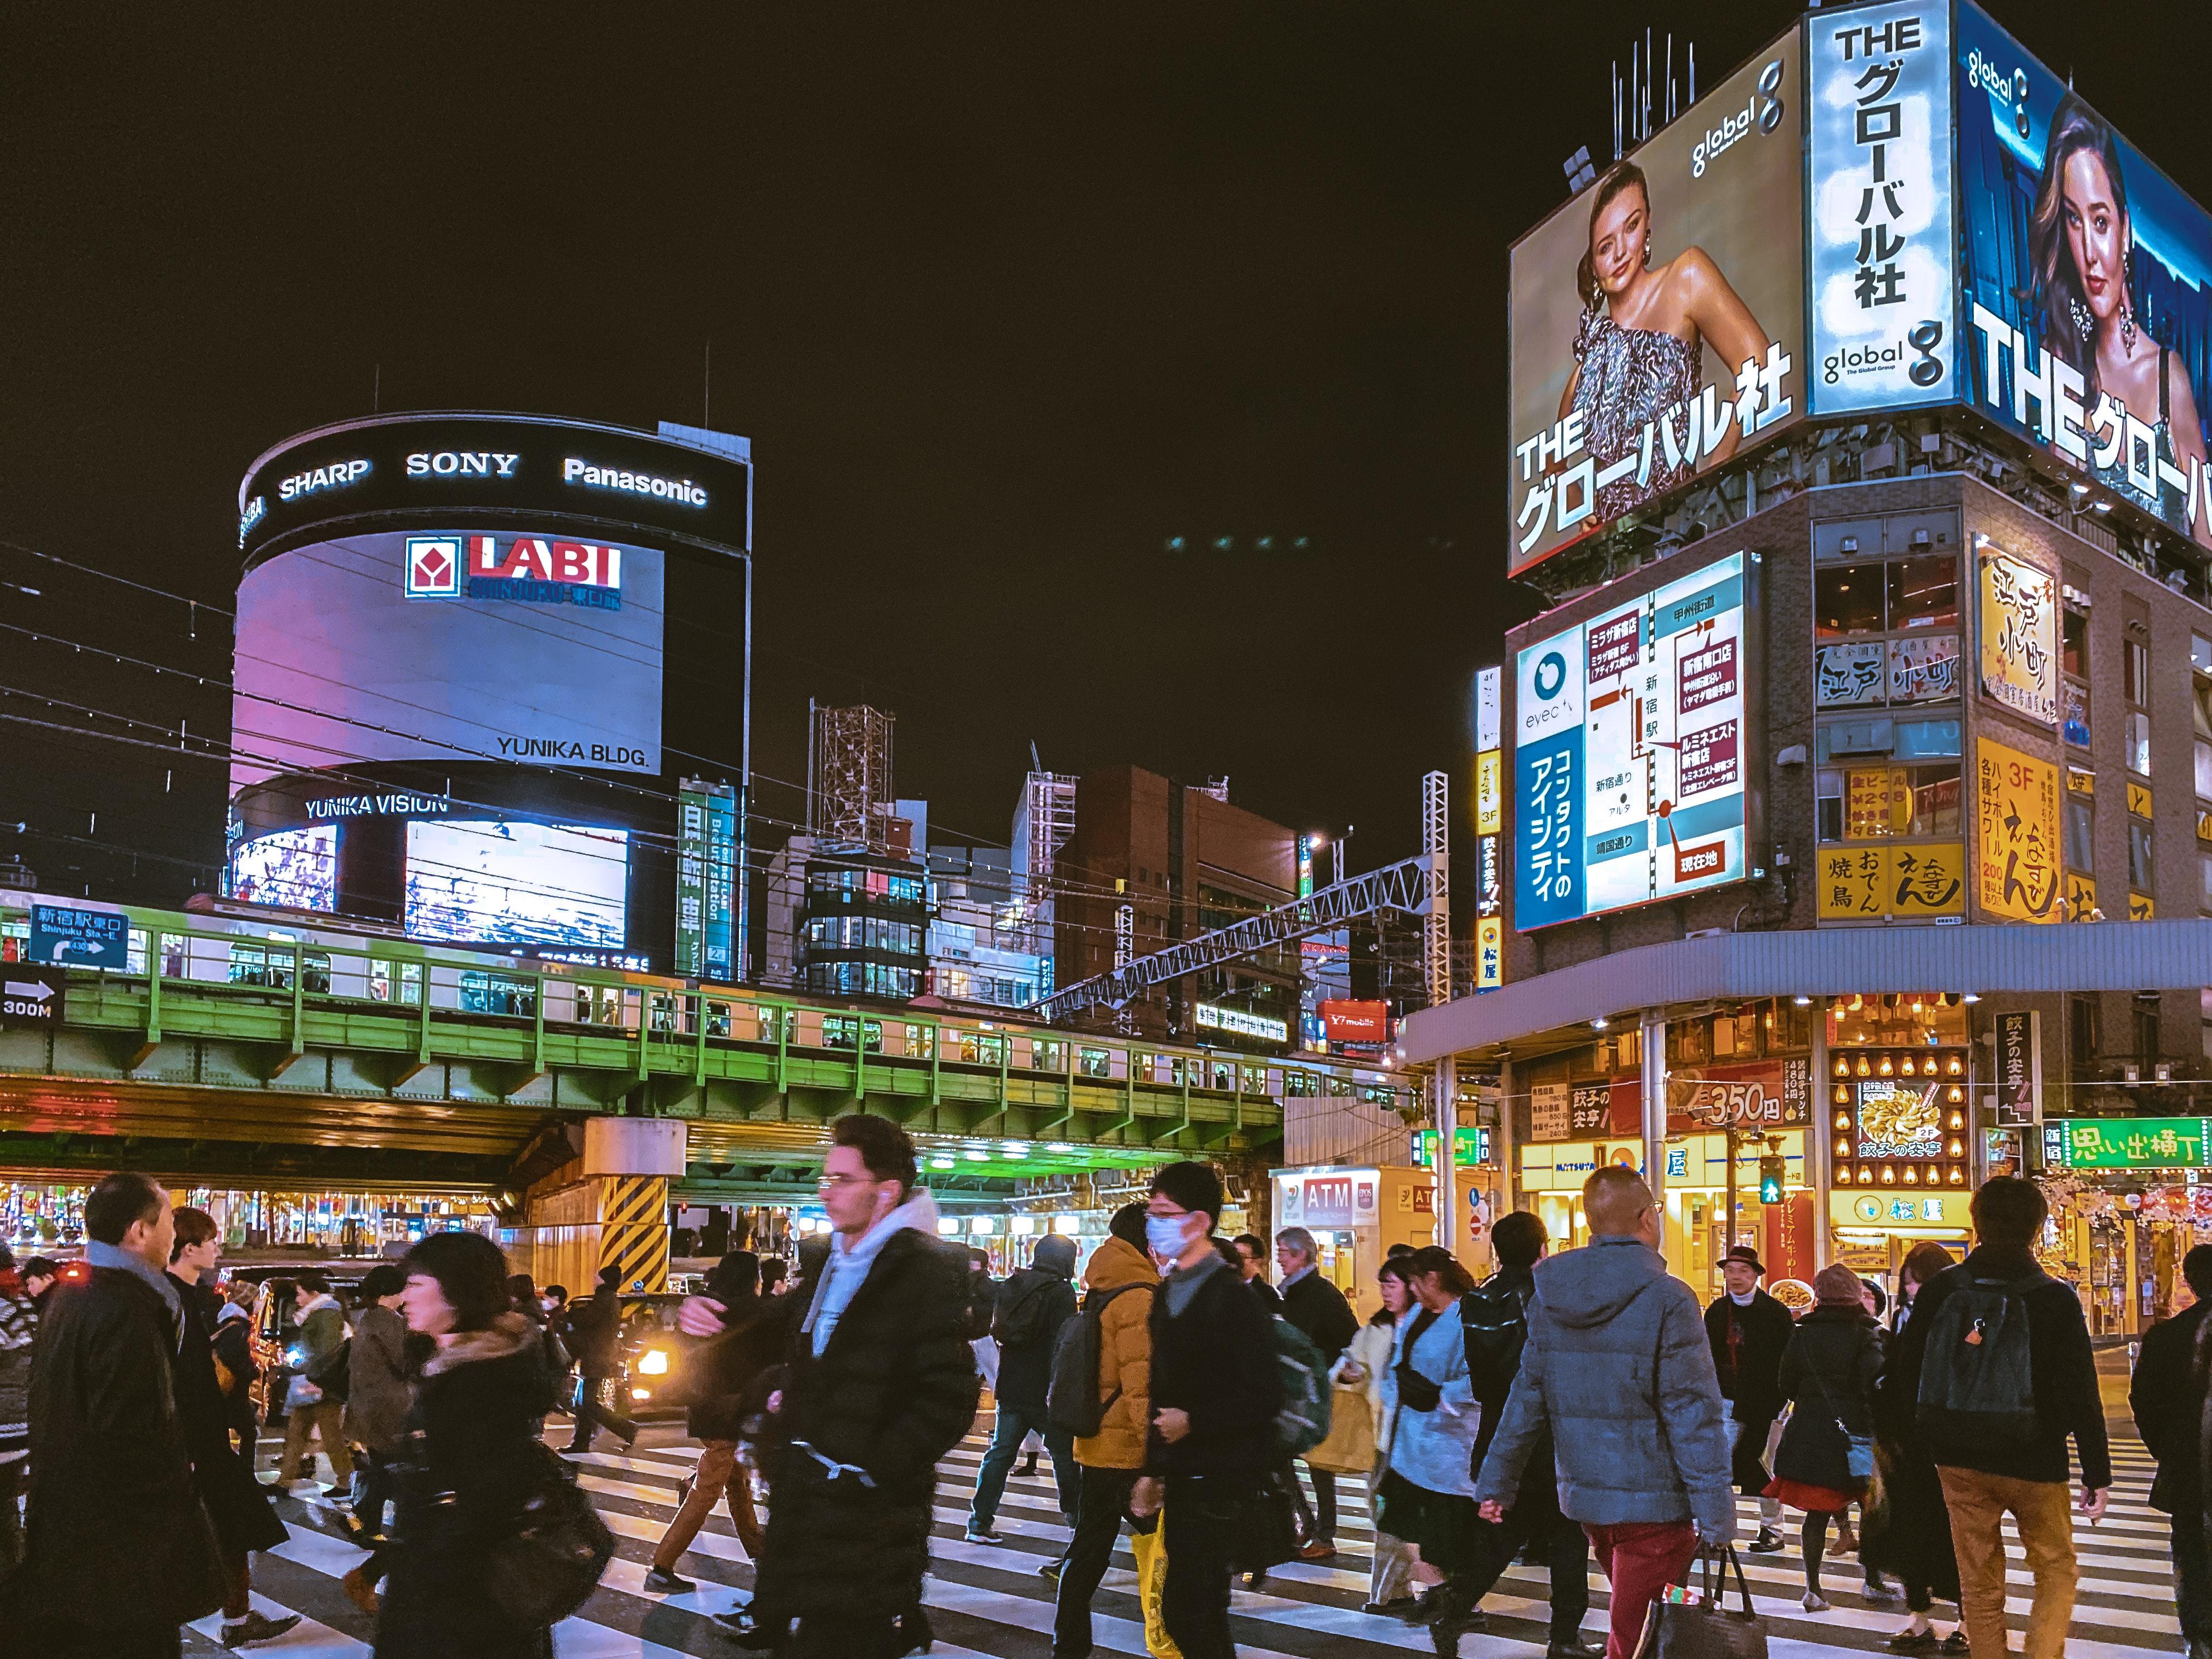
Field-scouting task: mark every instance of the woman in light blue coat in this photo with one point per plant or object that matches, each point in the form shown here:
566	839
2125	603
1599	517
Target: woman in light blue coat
1427	1495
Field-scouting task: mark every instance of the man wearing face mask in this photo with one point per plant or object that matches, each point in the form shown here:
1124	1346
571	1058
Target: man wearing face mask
1215	1392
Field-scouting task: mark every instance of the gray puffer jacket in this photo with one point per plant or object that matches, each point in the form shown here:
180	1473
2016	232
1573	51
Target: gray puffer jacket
19	1324
1618	1365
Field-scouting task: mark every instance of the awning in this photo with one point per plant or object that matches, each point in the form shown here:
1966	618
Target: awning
2108	956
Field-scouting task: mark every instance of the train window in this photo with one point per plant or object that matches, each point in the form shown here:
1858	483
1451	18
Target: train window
1301	1083
845	1030
1339	1086
497	994
1094	1062
599	1005
14	940
395	982
1047	1055
717	1019
1255	1080
665	1013
921	1040
137	961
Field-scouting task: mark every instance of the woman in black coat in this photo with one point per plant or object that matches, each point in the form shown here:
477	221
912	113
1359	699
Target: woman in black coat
1828	1372
470	1462
1908	1532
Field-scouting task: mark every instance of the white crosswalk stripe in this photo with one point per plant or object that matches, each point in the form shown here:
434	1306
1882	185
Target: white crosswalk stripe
988	1601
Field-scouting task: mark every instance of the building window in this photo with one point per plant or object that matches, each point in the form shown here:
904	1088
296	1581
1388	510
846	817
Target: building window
1923	592
1925	739
2139	866
1872	803
2074	643
2082	1028
2205	868
1848	600
2080	834
2135	672
2146	1012
2138	743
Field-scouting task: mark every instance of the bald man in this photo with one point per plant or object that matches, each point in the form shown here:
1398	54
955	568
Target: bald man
1618	1368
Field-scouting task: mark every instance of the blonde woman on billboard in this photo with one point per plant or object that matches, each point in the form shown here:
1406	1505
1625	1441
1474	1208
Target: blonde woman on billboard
2081	246
1640	345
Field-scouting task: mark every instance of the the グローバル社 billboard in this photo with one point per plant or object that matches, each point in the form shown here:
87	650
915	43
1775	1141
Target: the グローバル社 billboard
1632	752
460	645
1657	319
2086	305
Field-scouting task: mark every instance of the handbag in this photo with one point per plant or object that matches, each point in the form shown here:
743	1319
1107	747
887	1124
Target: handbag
1706	1629
1858	1449
1349	1448
1266	1532
550	1565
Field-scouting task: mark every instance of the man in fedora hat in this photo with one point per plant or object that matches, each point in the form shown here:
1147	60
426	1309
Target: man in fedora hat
1748	1330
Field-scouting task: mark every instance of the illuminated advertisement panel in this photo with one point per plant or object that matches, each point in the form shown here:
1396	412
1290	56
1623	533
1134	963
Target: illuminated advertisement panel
1879	142
1632	752
493	881
1657	319
2086	309
295	868
450	645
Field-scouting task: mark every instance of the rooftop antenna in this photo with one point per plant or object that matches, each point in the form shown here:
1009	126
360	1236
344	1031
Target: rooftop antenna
1634	80
1647	82
1616	109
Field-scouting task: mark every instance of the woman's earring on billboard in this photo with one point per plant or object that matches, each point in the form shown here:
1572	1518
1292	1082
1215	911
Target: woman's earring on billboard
2127	323
2085	320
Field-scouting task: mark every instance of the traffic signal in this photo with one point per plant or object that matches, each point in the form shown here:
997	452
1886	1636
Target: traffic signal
1770	1179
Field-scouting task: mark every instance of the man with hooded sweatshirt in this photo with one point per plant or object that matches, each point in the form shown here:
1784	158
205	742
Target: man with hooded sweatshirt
1618	1367
1033	1303
880	1384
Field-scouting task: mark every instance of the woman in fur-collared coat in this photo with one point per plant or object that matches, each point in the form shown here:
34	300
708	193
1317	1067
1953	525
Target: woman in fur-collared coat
470	1460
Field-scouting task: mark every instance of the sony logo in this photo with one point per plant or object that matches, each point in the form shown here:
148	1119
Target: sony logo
463	463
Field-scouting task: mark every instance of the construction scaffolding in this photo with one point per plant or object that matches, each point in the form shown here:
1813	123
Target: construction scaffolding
850	795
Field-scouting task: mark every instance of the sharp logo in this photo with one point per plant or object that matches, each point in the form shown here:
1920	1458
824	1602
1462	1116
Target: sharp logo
434	567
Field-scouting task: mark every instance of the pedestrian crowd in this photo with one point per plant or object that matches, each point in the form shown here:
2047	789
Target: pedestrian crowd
1573	1405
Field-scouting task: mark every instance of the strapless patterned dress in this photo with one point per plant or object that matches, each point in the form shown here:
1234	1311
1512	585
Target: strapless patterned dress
1629	378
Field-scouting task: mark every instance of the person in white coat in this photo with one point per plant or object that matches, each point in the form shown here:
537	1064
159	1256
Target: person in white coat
1365	1363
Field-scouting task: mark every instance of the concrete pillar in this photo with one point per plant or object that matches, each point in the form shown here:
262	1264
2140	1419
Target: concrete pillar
1446	1080
629	1160
1820	1141
1653	1033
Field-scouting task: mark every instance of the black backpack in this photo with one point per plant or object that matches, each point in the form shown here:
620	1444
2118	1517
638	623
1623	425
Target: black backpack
333	1373
1071	1401
1976	1382
1019	1319
1494	1322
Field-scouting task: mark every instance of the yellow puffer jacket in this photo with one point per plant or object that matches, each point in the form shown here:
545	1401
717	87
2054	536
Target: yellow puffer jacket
1125	1357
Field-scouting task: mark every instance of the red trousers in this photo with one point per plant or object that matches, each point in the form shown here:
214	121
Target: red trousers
1639	1559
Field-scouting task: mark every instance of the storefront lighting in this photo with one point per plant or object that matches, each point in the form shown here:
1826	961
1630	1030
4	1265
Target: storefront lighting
982	1226
1843	1066
948	1226
1957	1177
1842	1120
1958	1120
1842	1094
1889	1174
1912	1176
1865	1070
1971	996
1022	1226
1957	1067
1843	1146
974	1156
1905	1066
940	1163
1865	1174
1067	1225
1857	1002
1957	1148
1058	1147
1600	1024
1885	1069
1802	1002
1955	1094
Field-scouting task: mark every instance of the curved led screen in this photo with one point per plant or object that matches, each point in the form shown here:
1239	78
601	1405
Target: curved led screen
295	868
450	645
501	881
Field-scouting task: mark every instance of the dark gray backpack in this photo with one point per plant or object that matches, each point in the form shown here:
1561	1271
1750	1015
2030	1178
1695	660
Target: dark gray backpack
1072	1400
1977	1384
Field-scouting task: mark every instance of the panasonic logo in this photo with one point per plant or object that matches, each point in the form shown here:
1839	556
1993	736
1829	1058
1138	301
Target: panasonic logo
682	490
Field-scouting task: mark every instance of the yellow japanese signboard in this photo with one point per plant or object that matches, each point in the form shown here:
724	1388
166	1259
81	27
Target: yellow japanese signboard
2141	907
2019	637
2081	897
2016	870
2138	798
1859	883
1490	793
1877	801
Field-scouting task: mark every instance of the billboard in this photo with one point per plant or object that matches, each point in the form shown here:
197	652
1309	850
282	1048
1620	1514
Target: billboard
2086	299
2016	848
1878	88
1657	319
295	868
706	878
2018	633
502	882
1632	750
450	645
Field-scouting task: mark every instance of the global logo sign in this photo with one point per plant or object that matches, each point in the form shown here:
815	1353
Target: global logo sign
434	567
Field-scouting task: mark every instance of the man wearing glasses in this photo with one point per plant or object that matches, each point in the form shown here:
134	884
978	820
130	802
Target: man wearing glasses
881	1384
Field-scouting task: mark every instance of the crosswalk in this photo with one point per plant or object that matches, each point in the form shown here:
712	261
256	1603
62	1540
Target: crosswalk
991	1600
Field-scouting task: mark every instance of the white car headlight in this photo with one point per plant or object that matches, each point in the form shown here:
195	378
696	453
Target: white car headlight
653	1363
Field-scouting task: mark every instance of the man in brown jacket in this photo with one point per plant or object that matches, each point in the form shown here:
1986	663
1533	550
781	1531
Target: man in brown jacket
1119	1281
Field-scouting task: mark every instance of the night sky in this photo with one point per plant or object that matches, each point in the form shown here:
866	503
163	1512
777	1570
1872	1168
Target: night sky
1006	296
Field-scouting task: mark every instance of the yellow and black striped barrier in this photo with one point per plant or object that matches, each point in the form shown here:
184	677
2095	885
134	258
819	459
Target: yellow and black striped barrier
634	1230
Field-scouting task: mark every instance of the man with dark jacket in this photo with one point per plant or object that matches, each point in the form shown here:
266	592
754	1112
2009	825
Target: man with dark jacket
319	1331
1033	1303
1983	1476
120	1550
594	1337
1216	1391
1318	1308
1252	1266
880	1385
1495	1317
725	1369
2168	1398
1748	1330
235	1504
1618	1367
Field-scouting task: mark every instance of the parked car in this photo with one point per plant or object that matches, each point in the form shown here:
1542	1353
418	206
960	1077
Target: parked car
649	1385
276	1321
